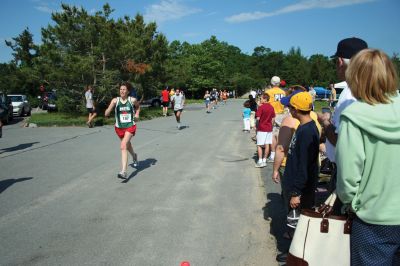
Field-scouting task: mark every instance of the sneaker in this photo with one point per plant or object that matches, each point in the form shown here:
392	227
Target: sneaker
270	160
135	162
122	175
88	124
260	164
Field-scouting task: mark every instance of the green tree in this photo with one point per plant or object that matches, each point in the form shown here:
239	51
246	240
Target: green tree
24	49
322	70
296	68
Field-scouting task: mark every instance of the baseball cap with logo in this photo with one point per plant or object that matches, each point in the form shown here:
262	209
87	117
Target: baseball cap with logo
301	101
275	81
346	48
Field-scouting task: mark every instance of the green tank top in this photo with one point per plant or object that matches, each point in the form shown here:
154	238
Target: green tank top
124	113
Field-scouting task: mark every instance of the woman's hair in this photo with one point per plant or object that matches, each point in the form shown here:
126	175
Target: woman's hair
372	77
126	84
247	104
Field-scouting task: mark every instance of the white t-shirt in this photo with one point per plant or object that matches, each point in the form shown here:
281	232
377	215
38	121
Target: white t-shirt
178	101
89	99
346	98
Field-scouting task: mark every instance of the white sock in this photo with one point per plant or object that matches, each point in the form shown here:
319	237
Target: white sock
264	160
272	156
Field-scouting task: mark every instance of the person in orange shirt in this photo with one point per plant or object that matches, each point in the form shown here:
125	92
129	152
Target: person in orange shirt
275	95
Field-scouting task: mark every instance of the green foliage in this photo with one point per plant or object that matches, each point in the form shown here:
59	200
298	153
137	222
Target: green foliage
80	49
66	105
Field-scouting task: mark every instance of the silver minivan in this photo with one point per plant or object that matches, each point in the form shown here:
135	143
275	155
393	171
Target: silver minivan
20	105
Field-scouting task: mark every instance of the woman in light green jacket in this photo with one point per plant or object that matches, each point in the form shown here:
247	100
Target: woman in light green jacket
367	156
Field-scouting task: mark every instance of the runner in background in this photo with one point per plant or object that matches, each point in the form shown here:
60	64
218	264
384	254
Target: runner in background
207	99
171	93
126	110
179	102
165	101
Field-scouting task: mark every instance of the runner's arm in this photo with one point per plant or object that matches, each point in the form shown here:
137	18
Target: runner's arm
110	107
135	103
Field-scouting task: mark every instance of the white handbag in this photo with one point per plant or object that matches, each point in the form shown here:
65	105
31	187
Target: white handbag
321	238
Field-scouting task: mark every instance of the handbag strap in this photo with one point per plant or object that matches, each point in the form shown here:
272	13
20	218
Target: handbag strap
327	207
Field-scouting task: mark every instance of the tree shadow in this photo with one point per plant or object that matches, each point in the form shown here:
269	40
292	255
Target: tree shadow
274	211
4	184
142	166
18	147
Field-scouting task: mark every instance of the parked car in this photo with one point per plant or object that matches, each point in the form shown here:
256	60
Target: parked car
48	101
155	101
322	93
5	103
20	105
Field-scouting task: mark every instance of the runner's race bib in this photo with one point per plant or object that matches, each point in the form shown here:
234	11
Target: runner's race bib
125	118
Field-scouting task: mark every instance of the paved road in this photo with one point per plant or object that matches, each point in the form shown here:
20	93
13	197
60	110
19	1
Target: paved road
195	197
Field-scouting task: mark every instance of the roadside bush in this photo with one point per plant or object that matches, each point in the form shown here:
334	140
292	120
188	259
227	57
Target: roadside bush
66	105
34	101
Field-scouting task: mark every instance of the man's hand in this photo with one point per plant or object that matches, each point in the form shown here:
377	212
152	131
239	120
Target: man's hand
294	202
324	119
275	176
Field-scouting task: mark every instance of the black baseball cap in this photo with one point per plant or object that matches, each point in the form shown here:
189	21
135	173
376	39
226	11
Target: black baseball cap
346	48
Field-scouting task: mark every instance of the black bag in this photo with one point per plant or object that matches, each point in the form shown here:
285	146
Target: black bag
326	167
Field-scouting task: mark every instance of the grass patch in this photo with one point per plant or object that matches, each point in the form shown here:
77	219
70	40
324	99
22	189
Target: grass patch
63	119
190	101
318	105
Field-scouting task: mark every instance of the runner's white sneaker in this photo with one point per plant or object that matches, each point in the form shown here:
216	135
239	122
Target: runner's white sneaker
122	175
260	164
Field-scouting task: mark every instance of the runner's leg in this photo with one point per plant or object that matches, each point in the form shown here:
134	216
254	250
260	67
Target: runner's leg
124	150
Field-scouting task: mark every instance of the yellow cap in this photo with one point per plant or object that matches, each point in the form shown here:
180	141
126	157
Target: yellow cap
301	101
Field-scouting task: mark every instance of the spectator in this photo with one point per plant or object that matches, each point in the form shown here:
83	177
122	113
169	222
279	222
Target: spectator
275	95
265	116
253	93
313	94
332	96
246	116
253	108
367	158
90	106
346	49
301	172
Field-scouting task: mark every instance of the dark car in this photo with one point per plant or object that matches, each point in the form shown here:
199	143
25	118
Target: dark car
5	104
48	101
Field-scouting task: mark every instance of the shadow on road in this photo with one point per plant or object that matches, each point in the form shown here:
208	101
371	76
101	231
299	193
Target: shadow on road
183	127
274	211
142	166
16	120
18	147
4	184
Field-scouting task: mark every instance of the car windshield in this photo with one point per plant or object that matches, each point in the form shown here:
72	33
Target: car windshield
16	98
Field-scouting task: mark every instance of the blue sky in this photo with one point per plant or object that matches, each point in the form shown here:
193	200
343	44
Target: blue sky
315	26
